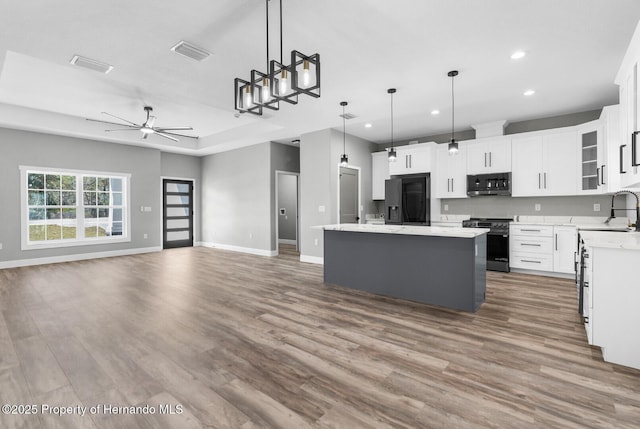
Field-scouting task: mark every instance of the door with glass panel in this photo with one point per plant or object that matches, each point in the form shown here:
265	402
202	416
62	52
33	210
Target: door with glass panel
177	218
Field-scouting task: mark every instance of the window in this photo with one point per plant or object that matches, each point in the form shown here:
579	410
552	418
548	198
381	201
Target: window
68	208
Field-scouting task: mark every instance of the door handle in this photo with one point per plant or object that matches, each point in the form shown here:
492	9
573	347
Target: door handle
621	149
633	149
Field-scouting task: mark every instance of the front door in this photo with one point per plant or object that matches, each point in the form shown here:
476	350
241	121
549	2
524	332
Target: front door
177	214
349	212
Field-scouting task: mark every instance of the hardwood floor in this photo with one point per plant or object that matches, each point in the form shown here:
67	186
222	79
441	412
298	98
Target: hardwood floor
241	341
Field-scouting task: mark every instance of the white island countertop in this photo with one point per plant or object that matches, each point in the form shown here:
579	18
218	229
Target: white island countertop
434	231
612	240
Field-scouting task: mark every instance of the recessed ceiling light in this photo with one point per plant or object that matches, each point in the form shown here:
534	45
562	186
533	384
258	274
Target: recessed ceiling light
435	112
368	125
518	54
529	92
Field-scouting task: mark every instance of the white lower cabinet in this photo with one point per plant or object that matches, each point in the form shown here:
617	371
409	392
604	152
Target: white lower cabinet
542	247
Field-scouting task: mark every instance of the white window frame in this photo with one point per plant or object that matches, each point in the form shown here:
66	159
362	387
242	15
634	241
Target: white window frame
95	241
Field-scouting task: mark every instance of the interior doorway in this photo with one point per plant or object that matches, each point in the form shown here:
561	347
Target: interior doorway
287	211
177	213
349	210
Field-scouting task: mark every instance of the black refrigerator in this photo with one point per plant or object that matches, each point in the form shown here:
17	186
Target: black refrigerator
407	200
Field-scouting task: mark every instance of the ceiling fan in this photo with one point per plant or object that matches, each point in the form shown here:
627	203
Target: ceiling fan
147	127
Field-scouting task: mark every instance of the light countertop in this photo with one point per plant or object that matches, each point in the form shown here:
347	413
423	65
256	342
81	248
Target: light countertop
439	231
612	240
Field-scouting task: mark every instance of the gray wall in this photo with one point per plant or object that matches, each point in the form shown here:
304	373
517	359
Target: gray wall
236	198
175	166
319	165
282	158
287	200
525	206
50	151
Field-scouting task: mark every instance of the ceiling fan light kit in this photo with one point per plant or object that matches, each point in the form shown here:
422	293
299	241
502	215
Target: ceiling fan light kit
281	82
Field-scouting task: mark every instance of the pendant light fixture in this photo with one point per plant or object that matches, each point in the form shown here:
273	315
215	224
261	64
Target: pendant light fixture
392	152
453	144
344	160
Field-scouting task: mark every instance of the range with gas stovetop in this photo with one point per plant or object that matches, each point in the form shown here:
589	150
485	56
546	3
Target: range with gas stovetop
497	241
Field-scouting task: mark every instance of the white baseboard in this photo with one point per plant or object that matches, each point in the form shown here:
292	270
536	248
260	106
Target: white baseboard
285	241
77	257
312	259
252	251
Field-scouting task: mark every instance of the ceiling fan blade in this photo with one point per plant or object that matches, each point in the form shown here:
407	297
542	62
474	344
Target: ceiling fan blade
114	123
179	135
122	119
124	129
145	135
166	136
173	129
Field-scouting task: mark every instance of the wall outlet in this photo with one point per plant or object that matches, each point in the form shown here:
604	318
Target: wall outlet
446	207
537	207
322	209
596	207
147	209
145	236
251	235
315	242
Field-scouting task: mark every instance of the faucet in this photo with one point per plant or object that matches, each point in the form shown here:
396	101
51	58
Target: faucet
637	209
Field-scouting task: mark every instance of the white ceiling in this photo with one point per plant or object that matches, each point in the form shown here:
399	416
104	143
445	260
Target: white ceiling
574	48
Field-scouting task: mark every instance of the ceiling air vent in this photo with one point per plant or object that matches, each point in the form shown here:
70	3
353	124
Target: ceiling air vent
191	51
88	63
348	116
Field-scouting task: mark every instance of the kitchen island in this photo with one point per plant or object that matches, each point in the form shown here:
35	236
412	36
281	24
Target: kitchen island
443	266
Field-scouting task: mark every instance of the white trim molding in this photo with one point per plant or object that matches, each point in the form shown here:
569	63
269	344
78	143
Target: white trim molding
250	250
312	259
77	257
285	241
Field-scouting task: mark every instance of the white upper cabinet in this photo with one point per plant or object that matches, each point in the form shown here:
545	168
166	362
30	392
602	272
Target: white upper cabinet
627	80
379	173
450	179
611	151
489	155
591	155
412	159
544	164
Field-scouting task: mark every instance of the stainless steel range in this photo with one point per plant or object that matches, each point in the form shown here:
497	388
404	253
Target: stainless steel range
497	241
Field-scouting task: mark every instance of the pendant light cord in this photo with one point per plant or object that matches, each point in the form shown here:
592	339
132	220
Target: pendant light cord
344	132
281	32
453	108
267	9
391	120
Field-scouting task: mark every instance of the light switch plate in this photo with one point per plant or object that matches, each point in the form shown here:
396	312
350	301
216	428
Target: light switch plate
446	207
596	207
537	207
321	209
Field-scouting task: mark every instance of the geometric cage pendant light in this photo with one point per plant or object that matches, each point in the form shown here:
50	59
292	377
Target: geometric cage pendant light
281	82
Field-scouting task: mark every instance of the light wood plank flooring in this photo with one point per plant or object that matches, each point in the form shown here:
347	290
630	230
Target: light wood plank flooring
242	341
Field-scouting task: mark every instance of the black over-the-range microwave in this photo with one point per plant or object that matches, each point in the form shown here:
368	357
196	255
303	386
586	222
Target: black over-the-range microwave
488	184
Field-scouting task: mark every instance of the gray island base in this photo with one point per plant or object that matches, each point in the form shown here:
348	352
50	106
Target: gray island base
438	266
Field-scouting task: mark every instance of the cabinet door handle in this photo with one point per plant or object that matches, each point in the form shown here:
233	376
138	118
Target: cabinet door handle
490	163
530	244
545	180
586	320
586	284
602	174
530	261
556	241
622	170
530	230
598	175
633	149
452	184
539	180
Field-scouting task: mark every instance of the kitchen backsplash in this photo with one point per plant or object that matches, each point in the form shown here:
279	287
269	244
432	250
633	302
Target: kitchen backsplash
489	206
